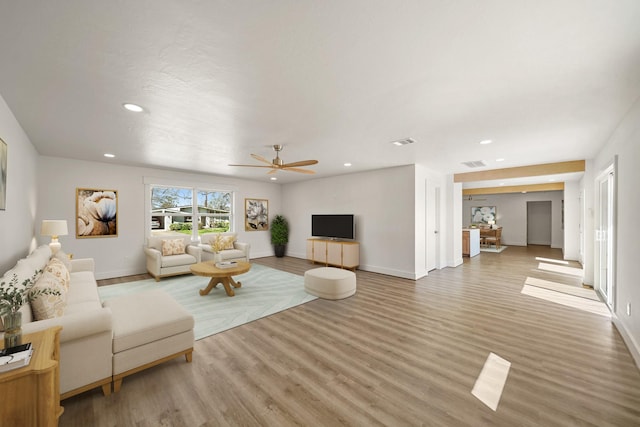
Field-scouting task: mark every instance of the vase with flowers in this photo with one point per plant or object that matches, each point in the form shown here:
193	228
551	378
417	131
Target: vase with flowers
217	245
12	297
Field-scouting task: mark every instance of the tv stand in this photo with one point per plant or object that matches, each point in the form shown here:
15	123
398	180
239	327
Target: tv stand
337	253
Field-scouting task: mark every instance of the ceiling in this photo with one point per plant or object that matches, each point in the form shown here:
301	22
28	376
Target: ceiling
332	80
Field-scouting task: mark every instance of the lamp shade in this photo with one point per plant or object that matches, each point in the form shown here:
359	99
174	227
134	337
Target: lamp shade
54	227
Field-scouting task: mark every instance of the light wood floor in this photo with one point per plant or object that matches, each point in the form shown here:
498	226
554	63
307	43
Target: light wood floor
398	353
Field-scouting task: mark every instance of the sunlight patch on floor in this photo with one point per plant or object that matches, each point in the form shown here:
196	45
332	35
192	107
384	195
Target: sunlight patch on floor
577	272
490	383
560	287
557	261
579	303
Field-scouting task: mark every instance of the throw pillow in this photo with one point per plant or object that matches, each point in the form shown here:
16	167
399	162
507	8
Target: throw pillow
46	306
172	247
59	270
228	242
66	260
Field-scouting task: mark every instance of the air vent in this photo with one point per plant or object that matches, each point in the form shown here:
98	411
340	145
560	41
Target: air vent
405	141
475	164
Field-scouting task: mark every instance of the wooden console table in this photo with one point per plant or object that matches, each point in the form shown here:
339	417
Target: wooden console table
338	253
31	394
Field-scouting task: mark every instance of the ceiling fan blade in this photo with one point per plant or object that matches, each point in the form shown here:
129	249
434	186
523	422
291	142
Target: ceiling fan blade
272	171
301	163
260	158
253	166
307	171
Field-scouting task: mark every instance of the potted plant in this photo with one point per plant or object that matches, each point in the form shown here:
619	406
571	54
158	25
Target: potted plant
279	235
12	297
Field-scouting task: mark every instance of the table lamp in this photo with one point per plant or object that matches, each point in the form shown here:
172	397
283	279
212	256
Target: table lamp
54	228
492	224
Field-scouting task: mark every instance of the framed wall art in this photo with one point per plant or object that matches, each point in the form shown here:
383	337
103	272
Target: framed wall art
483	214
3	175
96	213
256	214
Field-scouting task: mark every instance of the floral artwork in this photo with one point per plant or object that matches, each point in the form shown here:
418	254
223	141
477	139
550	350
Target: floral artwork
96	213
256	215
3	175
483	214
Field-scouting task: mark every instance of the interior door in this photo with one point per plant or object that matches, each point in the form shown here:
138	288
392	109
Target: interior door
432	232
605	236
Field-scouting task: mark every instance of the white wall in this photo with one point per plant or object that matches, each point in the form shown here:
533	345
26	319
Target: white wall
123	255
383	203
511	212
572	220
625	143
17	220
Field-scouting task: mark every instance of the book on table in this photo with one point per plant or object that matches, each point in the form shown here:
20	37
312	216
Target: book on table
226	264
15	357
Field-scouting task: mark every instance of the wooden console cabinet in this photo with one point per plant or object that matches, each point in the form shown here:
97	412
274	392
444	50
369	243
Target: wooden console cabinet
337	253
31	394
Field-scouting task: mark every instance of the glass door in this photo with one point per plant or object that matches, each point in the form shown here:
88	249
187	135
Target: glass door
605	236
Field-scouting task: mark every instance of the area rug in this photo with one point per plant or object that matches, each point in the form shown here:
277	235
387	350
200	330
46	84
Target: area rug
264	291
493	249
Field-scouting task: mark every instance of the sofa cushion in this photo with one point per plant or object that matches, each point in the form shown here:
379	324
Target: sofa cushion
155	242
172	247
177	260
158	317
82	306
55	278
82	289
231	254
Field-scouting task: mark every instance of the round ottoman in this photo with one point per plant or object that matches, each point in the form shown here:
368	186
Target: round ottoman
330	283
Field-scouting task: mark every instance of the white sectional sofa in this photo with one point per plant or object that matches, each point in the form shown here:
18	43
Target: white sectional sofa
86	336
101	343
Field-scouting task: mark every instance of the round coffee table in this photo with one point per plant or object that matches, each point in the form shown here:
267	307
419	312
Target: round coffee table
220	275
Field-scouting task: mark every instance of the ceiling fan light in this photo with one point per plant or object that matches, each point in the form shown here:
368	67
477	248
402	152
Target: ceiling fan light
133	107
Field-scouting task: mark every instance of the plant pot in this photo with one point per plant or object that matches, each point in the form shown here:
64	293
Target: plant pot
279	250
12	329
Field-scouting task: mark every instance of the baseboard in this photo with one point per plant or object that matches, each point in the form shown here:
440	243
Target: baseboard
628	339
389	272
119	273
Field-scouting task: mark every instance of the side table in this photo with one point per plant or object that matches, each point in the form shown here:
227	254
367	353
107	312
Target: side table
31	394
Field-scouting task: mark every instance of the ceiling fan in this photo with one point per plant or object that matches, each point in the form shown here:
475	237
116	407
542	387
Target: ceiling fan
277	163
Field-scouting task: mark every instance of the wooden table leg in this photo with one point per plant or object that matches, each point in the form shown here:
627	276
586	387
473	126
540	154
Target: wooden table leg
212	284
227	286
234	283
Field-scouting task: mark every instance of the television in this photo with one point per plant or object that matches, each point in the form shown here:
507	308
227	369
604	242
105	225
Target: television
333	226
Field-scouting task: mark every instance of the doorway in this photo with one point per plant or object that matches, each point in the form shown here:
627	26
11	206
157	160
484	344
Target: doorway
539	223
432	227
605	235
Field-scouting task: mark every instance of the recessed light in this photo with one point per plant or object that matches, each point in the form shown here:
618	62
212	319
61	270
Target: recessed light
273	178
133	107
486	141
524	192
109	155
500	160
402	142
347	164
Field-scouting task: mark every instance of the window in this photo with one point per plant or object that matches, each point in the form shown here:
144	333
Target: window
191	210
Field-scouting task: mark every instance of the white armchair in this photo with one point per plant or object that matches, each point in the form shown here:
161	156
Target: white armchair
236	251
171	255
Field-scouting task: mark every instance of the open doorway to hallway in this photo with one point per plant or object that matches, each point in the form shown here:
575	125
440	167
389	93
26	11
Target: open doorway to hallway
539	223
